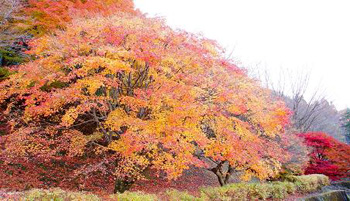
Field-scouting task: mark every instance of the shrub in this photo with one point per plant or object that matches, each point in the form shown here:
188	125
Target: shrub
279	190
290	187
309	183
175	195
260	190
263	191
61	195
243	191
58	195
239	191
134	196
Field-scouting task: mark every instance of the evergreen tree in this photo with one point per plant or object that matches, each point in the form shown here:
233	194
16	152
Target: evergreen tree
346	124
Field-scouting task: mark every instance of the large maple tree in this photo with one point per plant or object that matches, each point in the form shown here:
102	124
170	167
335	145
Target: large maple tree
123	90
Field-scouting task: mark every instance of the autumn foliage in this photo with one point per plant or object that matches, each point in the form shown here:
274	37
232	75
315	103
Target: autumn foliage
48	15
121	94
329	156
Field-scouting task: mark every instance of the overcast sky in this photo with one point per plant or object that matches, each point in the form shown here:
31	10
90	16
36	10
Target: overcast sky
311	36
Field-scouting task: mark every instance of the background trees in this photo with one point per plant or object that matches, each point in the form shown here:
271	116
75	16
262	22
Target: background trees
346	124
8	14
310	109
12	38
298	151
114	92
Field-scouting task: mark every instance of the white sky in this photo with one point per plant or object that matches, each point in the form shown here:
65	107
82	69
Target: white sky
299	35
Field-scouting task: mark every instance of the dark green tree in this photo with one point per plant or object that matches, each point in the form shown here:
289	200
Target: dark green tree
346	124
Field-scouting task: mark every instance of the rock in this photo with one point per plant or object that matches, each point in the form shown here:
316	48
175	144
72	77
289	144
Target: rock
339	195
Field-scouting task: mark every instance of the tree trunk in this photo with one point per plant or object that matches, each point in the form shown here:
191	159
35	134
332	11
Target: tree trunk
220	178
218	171
223	176
229	172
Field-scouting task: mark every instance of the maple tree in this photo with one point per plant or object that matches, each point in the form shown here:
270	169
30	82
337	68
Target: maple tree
123	94
21	20
329	156
48	15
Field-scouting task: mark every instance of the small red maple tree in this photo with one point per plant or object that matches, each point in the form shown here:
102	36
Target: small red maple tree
329	156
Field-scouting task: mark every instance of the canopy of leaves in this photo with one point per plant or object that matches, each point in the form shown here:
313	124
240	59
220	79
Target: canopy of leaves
129	89
44	16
